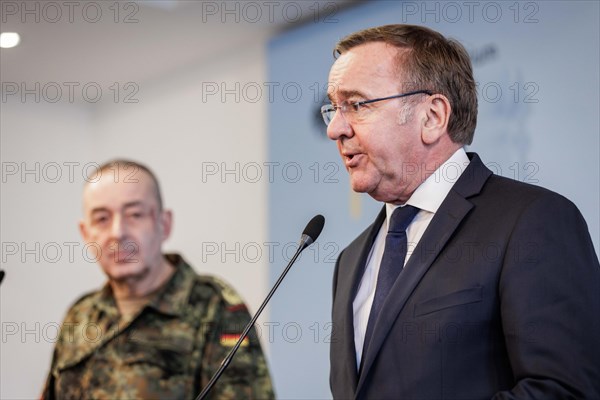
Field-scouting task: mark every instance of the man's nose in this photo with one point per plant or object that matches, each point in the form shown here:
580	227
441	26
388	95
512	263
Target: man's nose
119	227
339	127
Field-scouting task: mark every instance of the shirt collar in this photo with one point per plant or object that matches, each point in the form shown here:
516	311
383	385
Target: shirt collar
431	193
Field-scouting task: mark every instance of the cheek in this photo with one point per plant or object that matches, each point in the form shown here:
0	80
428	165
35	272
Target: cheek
149	241
96	239
380	151
392	159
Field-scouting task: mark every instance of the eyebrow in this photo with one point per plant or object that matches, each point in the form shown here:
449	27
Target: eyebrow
99	210
136	203
131	204
347	93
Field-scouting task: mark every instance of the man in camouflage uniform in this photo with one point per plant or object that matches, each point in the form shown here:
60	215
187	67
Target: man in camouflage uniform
156	329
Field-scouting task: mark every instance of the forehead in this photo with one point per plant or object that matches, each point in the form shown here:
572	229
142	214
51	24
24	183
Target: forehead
118	187
365	68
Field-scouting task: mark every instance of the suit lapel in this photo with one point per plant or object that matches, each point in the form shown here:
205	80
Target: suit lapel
358	269
443	225
349	281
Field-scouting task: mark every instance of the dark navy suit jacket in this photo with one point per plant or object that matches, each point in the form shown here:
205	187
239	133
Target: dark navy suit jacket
500	299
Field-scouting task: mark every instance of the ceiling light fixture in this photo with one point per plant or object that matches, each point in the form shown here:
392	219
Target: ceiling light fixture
9	39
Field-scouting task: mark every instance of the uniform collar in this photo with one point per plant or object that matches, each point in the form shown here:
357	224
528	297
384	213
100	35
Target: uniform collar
170	299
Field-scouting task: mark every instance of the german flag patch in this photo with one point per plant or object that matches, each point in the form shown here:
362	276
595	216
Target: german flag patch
237	307
230	339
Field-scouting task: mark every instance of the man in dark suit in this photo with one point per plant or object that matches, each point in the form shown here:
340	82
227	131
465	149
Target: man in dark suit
467	285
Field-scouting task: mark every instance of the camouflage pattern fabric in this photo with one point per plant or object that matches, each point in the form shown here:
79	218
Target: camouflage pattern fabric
168	350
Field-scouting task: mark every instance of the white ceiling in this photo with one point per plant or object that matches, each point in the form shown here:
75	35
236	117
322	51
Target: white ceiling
168	36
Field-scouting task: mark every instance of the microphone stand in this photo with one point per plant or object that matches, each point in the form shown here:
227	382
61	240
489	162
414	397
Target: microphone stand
305	241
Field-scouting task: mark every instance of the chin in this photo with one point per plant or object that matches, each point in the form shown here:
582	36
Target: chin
361	186
124	271
357	188
385	198
375	192
358	182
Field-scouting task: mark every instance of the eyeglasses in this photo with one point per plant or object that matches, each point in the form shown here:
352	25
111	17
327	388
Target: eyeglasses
352	110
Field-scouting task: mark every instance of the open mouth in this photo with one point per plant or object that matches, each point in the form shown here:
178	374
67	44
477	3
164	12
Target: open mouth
352	160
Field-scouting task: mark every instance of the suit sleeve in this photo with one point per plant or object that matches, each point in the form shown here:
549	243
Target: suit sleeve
335	275
334	330
550	304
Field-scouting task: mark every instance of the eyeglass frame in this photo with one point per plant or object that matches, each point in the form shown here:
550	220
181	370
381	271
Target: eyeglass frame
326	107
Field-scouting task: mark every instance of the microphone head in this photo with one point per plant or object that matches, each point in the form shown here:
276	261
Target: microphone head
314	227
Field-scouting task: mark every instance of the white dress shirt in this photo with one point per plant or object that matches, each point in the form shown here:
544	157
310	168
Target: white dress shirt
427	197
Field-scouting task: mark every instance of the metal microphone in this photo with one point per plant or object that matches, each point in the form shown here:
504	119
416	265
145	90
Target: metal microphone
309	235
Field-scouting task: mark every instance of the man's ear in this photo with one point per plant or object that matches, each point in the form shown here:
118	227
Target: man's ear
166	222
435	124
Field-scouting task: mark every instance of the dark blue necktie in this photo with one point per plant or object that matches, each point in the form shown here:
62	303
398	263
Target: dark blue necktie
392	263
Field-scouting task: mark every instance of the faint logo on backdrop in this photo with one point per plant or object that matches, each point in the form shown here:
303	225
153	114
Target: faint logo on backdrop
505	99
507	121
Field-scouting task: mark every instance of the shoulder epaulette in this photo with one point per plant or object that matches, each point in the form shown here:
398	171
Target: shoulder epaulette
231	297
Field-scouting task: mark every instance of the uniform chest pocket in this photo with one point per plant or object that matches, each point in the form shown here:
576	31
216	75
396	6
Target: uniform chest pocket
170	359
454	299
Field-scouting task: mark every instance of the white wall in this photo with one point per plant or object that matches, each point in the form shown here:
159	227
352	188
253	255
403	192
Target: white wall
178	132
171	129
41	216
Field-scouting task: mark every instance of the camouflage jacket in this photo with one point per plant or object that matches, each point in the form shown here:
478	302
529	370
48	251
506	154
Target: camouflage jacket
168	350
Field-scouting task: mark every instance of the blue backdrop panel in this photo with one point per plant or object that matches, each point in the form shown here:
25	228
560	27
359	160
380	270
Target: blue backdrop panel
537	66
